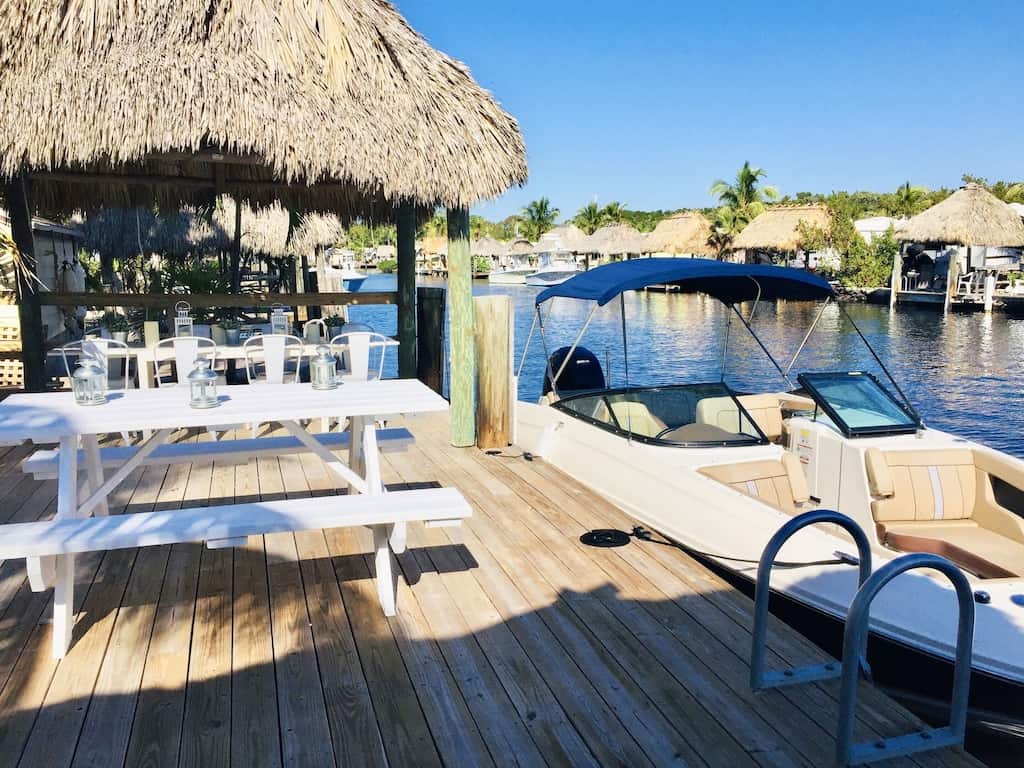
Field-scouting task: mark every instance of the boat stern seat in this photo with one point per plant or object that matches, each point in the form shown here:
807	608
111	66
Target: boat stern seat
780	483
941	501
765	411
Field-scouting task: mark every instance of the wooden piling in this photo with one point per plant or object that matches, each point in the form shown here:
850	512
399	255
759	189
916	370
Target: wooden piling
461	356
430	337
493	324
30	316
405	221
896	281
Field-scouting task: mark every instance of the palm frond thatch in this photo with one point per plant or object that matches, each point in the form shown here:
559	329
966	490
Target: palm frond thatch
566	237
778	228
110	103
683	233
618	240
970	216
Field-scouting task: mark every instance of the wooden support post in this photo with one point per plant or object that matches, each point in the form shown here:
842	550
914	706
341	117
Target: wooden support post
405	221
461	354
30	316
493	320
990	290
897	278
951	277
430	337
236	249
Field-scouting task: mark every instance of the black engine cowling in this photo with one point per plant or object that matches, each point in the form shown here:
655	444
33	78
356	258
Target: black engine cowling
582	373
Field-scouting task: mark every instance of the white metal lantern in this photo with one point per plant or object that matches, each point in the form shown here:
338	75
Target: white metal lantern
182	319
323	371
278	320
89	383
202	384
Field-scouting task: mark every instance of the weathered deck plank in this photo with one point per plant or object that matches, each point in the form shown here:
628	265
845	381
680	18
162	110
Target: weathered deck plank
513	643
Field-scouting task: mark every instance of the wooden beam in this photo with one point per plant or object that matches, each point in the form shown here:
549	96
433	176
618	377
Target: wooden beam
30	317
461	354
224	300
406	227
187	182
493	318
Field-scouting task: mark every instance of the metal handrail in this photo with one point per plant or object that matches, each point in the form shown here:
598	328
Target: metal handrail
855	640
761	679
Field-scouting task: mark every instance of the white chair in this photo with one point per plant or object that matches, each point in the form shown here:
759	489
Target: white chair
272	359
183	351
362	354
101	351
322	333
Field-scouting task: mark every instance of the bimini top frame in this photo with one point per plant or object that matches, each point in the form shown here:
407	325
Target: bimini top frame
730	283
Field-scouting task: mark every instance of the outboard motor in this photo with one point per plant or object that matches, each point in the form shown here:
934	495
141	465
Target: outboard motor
582	373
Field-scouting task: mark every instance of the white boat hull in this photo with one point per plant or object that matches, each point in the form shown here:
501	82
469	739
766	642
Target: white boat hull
509	277
661	487
553	277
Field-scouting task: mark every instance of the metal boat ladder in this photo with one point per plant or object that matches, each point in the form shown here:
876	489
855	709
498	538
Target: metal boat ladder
855	637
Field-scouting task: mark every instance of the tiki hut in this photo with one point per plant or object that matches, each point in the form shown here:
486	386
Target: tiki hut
488	247
618	240
684	233
567	237
433	245
970	216
520	247
329	105
778	228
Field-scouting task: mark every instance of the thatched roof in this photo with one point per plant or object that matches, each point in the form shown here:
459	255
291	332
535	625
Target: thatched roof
567	237
683	233
618	239
141	103
970	216
520	247
777	229
123	233
487	246
433	245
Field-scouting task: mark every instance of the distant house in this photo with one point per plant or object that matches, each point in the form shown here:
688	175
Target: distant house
775	236
876	226
55	246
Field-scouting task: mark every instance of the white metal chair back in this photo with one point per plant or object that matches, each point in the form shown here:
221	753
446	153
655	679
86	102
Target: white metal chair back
362	354
100	351
273	358
183	351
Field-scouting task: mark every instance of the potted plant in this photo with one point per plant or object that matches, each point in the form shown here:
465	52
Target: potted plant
334	324
232	331
117	326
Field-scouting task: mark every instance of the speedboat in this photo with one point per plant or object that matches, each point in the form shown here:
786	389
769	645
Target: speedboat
341	265
718	472
513	272
553	268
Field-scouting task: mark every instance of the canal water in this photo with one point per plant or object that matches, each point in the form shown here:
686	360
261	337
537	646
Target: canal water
964	373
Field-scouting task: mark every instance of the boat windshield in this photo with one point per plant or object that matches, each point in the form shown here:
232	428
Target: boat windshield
858	404
682	415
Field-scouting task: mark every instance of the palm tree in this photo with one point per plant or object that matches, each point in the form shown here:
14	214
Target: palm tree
589	218
540	217
723	230
1015	193
746	197
614	212
909	200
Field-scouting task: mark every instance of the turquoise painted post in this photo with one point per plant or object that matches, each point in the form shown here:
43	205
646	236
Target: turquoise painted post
461	354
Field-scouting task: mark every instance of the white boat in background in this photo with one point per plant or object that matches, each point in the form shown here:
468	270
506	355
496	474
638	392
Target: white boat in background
513	272
719	472
341	265
553	268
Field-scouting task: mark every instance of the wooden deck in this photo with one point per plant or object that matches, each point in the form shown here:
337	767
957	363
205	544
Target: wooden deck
513	644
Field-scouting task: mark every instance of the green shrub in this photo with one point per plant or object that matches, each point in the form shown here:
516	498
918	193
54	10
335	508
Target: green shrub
114	322
387	266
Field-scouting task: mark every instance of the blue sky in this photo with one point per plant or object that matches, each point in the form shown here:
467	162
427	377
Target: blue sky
648	102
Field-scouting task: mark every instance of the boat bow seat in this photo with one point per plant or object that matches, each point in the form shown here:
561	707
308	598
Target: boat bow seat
780	483
942	501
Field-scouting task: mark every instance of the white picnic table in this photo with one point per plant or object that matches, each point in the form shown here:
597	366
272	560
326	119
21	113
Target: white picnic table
145	357
50	547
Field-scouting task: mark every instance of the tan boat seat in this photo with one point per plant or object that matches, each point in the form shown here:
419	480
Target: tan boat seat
941	501
637	418
722	412
779	483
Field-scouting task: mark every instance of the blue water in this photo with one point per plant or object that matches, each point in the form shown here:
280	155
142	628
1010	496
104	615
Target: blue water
964	373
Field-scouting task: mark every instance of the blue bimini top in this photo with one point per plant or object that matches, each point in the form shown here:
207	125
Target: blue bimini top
729	283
